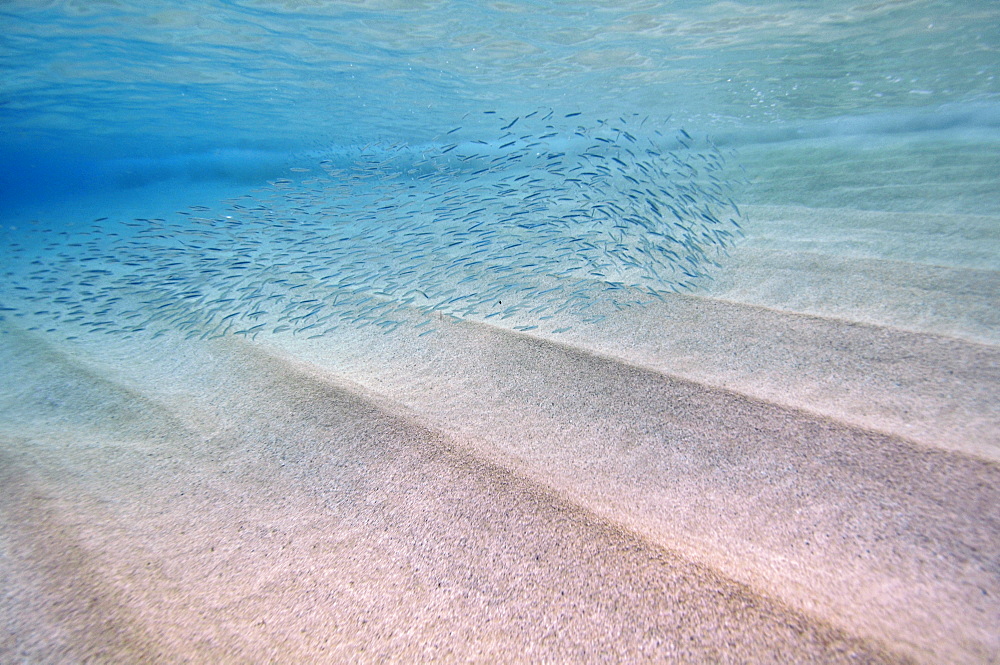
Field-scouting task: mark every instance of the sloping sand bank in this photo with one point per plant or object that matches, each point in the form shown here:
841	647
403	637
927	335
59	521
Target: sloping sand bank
306	522
800	463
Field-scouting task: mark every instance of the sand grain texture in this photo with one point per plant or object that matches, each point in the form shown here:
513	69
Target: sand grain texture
797	463
316	525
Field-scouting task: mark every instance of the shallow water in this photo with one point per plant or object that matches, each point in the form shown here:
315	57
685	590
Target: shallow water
714	283
352	117
88	80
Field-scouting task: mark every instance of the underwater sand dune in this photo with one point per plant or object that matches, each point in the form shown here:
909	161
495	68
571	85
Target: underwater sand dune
307	522
874	532
795	462
307	498
922	272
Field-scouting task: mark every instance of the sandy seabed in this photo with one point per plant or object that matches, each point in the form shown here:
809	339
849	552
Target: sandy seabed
799	464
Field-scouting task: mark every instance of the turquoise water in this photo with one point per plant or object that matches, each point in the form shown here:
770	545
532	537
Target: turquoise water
444	156
409	330
95	80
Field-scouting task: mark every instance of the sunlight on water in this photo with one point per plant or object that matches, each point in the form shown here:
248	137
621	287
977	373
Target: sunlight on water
292	75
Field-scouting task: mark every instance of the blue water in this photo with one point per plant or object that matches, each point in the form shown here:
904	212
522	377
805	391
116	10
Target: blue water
653	122
222	83
430	327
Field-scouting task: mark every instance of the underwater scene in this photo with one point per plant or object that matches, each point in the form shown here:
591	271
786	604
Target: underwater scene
527	331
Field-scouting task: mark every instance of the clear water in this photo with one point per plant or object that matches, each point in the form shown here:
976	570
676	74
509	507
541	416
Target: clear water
108	107
90	80
722	275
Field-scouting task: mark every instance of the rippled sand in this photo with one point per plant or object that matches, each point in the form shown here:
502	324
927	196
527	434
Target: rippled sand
800	463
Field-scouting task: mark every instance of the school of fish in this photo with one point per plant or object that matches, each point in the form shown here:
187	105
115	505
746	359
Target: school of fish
542	219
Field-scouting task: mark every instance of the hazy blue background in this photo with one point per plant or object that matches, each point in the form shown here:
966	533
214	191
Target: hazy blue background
230	88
